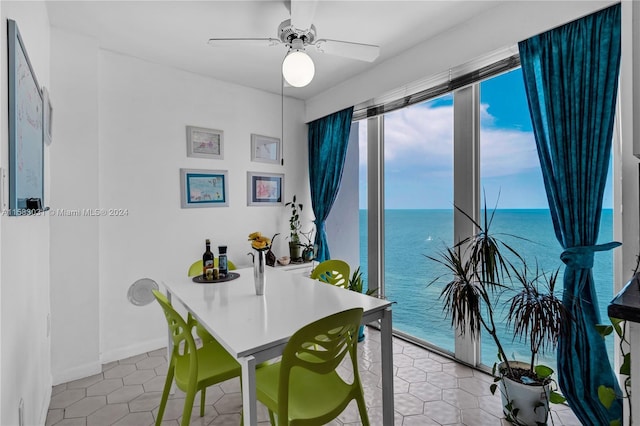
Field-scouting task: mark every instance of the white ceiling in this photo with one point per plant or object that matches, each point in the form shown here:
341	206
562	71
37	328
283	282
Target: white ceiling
175	33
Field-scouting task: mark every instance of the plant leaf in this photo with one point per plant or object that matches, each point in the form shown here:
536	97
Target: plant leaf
606	395
616	324
556	398
625	368
542	371
493	388
604	330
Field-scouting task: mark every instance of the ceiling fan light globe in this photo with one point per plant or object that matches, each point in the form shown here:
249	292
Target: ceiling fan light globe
298	69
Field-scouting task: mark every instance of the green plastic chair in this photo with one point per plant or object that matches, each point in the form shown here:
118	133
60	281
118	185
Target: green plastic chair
304	387
193	369
336	272
196	267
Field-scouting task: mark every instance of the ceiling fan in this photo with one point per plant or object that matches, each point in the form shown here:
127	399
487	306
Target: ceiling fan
297	34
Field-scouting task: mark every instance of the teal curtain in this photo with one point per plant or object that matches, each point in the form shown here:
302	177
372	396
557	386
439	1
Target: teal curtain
571	80
328	141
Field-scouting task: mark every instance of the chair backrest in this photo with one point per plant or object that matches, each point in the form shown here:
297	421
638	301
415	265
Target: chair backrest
334	271
196	267
321	346
180	332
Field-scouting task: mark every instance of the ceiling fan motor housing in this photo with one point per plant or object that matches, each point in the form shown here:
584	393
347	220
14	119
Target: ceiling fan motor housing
294	37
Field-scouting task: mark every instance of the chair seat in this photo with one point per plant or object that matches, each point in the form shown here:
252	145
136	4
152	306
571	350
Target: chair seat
215	365
303	389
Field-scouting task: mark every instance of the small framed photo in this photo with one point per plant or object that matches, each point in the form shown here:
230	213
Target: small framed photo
204	188
265	149
205	143
265	189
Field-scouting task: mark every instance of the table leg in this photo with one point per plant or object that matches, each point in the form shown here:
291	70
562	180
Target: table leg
249	404
386	348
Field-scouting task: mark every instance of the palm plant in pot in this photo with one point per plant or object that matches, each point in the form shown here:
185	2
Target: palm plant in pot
483	270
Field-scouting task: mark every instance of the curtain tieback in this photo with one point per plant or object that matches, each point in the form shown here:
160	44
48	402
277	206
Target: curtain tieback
581	257
319	226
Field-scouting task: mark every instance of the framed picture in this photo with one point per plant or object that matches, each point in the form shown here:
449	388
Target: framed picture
265	189
205	143
204	188
47	115
265	149
26	132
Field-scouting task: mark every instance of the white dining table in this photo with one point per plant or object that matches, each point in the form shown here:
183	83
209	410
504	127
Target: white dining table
256	328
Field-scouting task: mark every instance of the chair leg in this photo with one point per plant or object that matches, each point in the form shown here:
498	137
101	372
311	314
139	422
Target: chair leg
165	395
203	393
271	418
362	407
188	406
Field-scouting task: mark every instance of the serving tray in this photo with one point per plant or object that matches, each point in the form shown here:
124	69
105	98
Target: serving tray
201	280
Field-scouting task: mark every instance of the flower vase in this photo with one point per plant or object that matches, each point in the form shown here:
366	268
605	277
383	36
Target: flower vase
259	263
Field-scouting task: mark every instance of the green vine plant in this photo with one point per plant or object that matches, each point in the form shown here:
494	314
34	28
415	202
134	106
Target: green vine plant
294	220
607	394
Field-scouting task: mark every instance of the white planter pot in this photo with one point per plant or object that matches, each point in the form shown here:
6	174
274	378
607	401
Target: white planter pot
527	399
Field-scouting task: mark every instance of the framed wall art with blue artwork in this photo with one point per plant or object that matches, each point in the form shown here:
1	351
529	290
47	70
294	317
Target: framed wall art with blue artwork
204	188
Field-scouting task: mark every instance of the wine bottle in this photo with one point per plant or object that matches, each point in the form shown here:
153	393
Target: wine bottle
222	261
207	262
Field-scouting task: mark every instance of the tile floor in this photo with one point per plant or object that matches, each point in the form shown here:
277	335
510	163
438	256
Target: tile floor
430	390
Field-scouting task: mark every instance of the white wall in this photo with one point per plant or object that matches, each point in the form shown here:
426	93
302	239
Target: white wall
121	144
74	185
25	367
497	28
144	110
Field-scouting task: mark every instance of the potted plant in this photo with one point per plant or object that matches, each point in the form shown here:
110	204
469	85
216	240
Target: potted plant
482	271
295	248
356	283
308	248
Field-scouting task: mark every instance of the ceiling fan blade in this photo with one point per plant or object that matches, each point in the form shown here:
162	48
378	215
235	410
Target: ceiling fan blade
359	51
243	42
302	13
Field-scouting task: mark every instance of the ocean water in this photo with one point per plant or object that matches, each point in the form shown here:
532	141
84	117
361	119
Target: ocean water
411	235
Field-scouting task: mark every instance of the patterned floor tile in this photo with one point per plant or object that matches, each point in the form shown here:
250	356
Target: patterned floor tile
430	389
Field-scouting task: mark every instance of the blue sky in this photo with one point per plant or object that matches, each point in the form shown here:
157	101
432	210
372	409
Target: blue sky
419	156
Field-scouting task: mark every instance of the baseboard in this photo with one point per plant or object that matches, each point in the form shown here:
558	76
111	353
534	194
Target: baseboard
132	350
76	373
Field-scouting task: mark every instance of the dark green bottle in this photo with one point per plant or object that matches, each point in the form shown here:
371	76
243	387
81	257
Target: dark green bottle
207	262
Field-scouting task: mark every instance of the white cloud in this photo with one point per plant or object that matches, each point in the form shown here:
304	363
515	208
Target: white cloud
419	143
506	152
